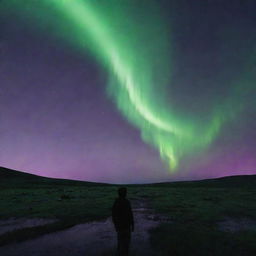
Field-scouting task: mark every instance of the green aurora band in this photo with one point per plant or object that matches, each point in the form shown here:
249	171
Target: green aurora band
133	44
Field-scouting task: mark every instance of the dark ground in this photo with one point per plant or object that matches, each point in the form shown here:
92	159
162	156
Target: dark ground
212	217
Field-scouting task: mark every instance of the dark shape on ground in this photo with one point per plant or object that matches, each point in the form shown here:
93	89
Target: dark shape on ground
122	217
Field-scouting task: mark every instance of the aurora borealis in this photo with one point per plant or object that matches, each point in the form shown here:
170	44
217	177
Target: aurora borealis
183	86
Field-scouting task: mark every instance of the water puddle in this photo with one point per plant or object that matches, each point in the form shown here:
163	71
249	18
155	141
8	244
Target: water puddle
20	223
91	239
235	225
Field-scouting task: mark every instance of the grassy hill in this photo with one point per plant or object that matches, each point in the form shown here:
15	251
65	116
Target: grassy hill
9	178
223	182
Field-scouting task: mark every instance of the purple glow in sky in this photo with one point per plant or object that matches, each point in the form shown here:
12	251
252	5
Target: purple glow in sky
56	120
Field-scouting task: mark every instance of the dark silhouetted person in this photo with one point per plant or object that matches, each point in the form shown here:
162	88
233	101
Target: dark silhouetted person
122	217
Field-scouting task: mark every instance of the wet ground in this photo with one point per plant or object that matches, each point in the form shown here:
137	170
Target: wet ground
237	224
16	224
91	239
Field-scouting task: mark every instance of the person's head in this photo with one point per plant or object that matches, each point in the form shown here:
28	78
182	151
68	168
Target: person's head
122	192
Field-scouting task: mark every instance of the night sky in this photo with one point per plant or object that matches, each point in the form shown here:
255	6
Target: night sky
127	91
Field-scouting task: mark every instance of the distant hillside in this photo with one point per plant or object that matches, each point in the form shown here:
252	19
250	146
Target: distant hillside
6	173
236	181
9	177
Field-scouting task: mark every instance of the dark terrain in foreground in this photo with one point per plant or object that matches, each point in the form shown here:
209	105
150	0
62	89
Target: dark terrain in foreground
209	217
